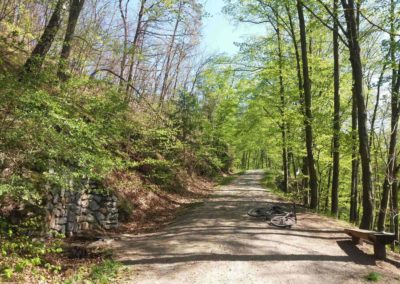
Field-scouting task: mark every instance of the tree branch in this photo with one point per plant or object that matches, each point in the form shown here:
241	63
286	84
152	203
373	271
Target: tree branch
333	16
377	26
324	23
130	85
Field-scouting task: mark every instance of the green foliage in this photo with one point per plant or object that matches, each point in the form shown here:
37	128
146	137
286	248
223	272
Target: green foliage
101	273
227	179
19	251
104	272
373	277
58	135
162	173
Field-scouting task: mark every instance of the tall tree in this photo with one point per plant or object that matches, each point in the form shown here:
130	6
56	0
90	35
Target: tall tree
313	182
352	34
394	119
285	160
336	114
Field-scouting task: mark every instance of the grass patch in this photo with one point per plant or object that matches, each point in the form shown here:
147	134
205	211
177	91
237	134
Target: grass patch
373	277
105	271
101	273
227	179
268	181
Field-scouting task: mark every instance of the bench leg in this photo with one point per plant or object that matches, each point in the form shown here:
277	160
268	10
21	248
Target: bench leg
356	241
379	251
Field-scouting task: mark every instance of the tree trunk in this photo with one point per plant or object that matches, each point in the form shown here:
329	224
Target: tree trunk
355	59
35	61
394	118
135	43
308	115
328	186
164	87
378	95
305	182
123	12
395	202
336	116
74	11
354	164
305	171
285	161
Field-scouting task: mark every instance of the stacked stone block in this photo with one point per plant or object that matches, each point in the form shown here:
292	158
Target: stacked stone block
72	212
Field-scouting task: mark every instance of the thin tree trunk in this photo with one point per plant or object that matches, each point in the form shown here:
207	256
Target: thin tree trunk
297	55
285	162
124	12
394	118
293	163
395	202
305	182
336	116
74	12
327	189
164	87
378	94
308	115
354	165
35	61
135	43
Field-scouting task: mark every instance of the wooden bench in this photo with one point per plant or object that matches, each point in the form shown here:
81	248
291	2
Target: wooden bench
379	239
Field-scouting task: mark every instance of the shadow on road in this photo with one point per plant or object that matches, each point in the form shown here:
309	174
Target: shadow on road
231	257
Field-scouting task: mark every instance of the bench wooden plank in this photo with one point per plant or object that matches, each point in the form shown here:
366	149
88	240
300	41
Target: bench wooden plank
373	236
359	233
379	239
385	238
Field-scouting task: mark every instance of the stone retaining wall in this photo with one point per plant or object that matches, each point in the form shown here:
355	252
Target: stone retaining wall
72	212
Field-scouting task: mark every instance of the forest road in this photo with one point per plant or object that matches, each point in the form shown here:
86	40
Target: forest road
217	242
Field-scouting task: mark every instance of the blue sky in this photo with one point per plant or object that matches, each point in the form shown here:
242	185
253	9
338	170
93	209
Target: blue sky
219	33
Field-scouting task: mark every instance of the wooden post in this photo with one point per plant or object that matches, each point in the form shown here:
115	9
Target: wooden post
356	241
379	250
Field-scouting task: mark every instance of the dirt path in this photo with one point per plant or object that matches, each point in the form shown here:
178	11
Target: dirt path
217	242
